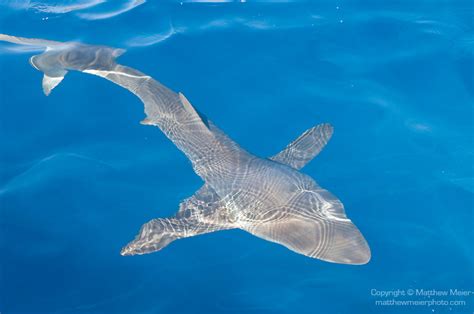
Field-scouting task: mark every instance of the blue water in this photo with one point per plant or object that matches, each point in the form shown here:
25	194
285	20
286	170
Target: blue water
80	175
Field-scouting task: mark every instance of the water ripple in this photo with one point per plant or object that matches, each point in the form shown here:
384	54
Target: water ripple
149	40
132	4
57	7
109	9
61	9
53	165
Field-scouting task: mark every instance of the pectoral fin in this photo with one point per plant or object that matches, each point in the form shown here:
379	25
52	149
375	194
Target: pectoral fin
199	214
302	150
153	236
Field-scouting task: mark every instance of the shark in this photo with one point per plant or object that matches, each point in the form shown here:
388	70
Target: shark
267	197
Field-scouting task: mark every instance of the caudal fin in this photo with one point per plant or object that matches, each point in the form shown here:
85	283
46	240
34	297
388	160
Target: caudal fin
59	57
47	62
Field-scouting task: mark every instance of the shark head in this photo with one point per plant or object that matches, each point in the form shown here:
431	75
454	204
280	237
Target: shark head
303	217
317	226
315	235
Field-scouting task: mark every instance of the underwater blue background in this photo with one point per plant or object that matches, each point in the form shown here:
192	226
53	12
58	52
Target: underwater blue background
79	175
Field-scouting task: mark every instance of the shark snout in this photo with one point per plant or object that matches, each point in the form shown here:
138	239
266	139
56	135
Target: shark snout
359	257
347	245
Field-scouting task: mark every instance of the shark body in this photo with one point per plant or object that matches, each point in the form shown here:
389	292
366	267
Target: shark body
268	197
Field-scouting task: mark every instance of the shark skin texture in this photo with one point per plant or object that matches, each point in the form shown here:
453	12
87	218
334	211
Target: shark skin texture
267	197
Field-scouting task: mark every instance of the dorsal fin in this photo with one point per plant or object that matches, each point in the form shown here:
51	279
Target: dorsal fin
189	108
302	150
187	105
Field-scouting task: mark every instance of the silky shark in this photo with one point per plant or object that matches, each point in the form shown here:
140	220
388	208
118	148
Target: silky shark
267	197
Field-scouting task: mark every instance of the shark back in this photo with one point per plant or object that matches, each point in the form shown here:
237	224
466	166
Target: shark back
212	153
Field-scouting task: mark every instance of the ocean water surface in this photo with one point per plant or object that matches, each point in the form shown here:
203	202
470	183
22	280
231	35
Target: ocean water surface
79	175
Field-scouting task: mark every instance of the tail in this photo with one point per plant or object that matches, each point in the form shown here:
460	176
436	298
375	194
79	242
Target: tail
59	57
189	130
